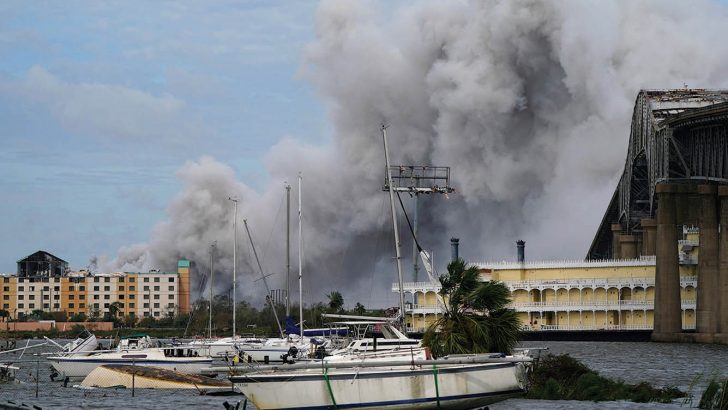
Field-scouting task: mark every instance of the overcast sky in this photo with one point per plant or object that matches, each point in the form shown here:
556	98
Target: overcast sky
102	102
126	125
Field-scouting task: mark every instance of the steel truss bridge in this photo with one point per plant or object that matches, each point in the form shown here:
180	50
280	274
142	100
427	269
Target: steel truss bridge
676	136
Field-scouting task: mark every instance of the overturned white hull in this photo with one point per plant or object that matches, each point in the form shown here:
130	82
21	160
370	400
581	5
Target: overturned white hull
150	378
396	387
75	367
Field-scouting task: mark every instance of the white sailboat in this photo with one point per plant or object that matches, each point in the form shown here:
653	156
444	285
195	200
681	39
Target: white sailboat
392	380
137	350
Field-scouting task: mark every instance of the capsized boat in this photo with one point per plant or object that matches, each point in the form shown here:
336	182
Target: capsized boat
150	377
135	350
462	382
84	343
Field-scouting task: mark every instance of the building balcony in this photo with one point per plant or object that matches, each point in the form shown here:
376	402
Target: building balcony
591	305
591	283
632	326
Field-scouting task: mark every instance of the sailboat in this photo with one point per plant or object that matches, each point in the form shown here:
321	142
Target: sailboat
294	346
397	382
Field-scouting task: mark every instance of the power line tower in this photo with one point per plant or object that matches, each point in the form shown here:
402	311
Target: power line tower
417	180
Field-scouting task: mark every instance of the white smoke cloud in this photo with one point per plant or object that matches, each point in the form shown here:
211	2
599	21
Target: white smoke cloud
529	102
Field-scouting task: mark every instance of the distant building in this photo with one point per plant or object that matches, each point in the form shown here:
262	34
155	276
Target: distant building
42	265
140	294
614	294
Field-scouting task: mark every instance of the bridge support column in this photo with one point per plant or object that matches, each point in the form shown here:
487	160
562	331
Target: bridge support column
627	247
722	316
707	302
668	321
616	233
649	233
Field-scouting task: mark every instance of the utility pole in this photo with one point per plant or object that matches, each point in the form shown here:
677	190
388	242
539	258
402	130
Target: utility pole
212	262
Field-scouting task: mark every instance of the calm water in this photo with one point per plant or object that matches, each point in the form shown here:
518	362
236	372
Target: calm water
661	364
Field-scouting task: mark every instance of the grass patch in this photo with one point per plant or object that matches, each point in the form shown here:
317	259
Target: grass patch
564	378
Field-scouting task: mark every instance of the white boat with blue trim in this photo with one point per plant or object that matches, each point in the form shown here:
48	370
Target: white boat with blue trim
414	383
137	351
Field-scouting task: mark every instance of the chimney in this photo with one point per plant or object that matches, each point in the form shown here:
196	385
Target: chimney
454	244
521	245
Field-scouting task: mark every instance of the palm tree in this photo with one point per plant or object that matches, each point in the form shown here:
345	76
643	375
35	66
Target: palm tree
475	319
336	301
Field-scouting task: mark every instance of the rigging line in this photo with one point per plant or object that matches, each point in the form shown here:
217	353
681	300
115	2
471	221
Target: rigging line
419	248
377	247
270	235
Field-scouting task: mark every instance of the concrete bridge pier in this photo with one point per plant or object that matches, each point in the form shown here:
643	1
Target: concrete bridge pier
616	234
668	316
649	234
722	292
708	307
628	246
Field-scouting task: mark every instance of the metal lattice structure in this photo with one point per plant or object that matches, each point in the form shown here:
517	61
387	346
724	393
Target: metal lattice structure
419	179
680	136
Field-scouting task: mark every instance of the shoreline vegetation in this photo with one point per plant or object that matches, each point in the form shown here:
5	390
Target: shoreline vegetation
561	377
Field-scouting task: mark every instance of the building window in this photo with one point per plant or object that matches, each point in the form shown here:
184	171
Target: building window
146	305
106	305
96	305
21	297
96	279
156	279
146	279
146	288
20	306
121	288
131	280
131	305
6	280
71	288
171	297
121	305
131	288
56	306
21	288
171	288
31	297
146	314
96	297
121	279
156	288
96	288
81	305
6	306
56	288
121	297
107	288
71	297
171	279
45	306
32	288
156	305
107	279
146	296
46	288
171	305
56	297
6	297
106	297
156	314
6	288
156	296
31	306
46	297
82	297
82	288
132	297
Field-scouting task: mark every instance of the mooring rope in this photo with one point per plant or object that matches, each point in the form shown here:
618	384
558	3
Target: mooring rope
328	384
437	387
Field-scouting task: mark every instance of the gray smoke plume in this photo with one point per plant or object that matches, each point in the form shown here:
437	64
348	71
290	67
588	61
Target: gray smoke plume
529	102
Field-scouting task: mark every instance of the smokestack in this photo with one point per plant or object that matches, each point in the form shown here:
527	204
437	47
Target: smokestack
454	244
521	245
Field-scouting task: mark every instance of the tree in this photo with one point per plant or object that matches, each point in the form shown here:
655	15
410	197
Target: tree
359	309
336	301
4	314
475	319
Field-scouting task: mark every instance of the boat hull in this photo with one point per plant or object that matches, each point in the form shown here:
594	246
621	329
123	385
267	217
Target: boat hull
80	367
426	387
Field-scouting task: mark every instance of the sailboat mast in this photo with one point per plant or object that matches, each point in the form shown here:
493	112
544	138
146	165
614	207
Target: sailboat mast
396	230
288	250
235	257
212	261
262	276
300	256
